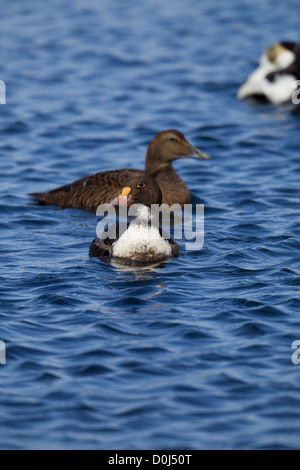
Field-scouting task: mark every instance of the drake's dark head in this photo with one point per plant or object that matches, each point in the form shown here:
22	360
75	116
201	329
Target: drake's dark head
140	190
168	146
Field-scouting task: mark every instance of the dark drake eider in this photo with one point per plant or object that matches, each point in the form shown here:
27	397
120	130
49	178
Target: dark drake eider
142	241
89	192
274	78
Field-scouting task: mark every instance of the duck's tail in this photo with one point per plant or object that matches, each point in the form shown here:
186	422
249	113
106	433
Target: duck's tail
41	198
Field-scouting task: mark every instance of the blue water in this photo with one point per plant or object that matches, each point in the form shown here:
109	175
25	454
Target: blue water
196	353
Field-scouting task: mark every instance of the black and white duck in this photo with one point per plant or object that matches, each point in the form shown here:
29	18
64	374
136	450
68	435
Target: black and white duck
143	240
275	77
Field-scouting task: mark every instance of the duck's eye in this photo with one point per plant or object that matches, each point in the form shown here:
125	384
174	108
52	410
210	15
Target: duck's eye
141	185
172	139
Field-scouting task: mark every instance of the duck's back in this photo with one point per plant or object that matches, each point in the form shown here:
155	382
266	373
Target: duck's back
89	192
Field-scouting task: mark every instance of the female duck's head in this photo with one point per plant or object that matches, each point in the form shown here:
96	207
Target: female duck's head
168	146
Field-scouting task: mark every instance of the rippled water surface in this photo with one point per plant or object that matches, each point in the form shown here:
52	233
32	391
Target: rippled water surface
195	353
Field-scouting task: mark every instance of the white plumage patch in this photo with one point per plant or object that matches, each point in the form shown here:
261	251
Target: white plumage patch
277	92
141	240
280	91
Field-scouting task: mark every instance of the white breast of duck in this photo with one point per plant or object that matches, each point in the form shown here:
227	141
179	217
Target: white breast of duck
142	240
280	90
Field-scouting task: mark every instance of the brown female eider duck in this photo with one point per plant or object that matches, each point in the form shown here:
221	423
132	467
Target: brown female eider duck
273	80
90	192
142	241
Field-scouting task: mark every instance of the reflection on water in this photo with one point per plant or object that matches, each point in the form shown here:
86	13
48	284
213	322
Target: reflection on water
142	270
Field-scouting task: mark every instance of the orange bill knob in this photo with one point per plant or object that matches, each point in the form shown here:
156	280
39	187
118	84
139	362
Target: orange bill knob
122	198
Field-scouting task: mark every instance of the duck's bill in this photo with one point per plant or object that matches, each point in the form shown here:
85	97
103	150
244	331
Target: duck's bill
123	198
198	154
119	201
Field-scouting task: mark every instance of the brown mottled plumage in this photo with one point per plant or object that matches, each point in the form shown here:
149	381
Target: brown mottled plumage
91	191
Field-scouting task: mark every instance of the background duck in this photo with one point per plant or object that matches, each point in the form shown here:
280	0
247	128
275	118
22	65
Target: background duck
273	80
142	241
89	192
